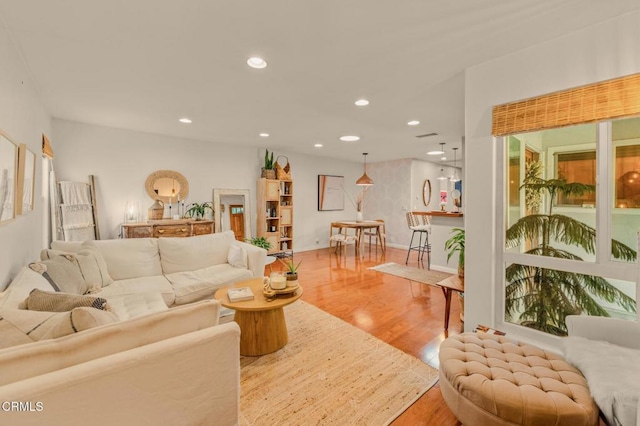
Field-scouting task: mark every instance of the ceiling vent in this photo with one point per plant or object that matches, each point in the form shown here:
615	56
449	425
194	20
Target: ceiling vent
426	135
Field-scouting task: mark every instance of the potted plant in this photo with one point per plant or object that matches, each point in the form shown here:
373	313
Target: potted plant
259	242
198	210
530	289
454	245
292	269
268	171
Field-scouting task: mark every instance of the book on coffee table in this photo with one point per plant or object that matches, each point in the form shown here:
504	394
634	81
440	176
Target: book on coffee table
240	294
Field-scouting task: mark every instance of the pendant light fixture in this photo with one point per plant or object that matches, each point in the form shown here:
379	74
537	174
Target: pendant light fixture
442	176
454	177
364	179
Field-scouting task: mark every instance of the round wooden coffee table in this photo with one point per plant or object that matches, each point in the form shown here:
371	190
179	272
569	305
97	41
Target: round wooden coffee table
262	324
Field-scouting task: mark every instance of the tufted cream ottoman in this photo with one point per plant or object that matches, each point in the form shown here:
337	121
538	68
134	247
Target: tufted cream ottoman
491	380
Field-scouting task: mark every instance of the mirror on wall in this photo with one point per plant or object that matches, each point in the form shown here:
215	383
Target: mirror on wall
232	211
8	174
167	186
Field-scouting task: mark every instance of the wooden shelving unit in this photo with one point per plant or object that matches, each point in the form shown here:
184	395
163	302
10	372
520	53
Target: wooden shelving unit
275	214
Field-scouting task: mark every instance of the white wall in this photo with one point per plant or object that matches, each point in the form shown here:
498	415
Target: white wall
601	52
121	160
24	119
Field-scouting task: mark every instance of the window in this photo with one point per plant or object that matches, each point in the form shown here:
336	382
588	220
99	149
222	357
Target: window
568	248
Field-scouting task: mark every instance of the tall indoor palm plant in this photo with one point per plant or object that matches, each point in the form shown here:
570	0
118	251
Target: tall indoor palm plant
544	297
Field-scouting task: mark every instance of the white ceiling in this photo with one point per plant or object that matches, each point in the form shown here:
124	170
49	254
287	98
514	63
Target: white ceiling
142	64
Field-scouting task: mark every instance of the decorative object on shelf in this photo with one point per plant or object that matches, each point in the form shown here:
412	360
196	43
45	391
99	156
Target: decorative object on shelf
443	200
455	195
454	245
283	173
426	192
167	186
156	211
268	171
132	212
365	180
259	242
292	269
198	210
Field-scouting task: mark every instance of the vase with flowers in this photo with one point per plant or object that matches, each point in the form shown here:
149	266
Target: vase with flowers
358	202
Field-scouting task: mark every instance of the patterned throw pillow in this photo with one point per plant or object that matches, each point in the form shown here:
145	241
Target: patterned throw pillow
49	301
63	273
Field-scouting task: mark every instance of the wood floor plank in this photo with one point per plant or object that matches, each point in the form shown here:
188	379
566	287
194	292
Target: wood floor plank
407	315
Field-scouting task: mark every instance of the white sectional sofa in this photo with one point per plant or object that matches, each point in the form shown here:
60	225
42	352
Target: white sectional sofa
157	355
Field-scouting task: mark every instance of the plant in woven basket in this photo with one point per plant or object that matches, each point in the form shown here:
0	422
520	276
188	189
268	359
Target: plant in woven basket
292	269
198	210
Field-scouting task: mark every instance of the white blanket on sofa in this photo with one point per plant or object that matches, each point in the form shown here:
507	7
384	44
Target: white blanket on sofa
613	375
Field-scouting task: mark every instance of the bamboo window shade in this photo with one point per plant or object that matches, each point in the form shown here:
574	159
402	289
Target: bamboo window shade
46	147
605	100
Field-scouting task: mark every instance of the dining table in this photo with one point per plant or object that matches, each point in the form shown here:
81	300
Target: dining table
360	228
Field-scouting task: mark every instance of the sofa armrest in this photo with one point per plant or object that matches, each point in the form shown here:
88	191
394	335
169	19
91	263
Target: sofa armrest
617	331
256	258
188	379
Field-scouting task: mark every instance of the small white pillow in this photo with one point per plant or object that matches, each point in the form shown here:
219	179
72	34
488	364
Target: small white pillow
237	257
21	286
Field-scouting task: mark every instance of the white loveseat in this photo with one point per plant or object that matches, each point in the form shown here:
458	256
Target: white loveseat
177	367
607	352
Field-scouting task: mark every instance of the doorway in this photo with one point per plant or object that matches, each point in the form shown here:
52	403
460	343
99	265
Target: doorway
236	220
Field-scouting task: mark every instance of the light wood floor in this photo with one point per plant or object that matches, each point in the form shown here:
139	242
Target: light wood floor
402	313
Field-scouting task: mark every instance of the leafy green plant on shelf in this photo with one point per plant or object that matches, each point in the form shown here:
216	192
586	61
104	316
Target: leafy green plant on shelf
259	242
198	210
268	160
541	298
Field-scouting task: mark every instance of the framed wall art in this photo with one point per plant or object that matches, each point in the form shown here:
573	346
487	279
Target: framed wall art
8	176
330	192
26	180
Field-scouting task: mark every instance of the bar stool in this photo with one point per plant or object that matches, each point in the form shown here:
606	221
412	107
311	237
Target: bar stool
422	225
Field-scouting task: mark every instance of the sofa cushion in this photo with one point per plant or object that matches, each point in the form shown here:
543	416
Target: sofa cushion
203	283
237	256
50	301
63	273
91	263
66	246
129	306
21	286
129	257
19	326
190	254
156	284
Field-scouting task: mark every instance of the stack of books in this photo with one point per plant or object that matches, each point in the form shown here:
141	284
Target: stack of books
240	294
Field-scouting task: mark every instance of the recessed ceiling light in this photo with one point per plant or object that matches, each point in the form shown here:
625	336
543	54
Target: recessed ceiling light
318	145
362	102
256	62
185	120
413	123
264	135
349	138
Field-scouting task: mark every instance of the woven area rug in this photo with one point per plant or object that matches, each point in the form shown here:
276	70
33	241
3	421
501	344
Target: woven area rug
424	276
330	373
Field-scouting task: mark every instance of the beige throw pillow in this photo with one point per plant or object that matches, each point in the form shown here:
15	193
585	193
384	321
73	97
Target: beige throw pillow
63	273
49	301
90	262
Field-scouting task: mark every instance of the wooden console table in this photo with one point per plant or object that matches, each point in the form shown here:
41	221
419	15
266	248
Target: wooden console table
448	286
167	228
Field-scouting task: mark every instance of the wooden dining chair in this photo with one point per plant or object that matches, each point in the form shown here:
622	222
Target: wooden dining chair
379	233
340	238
